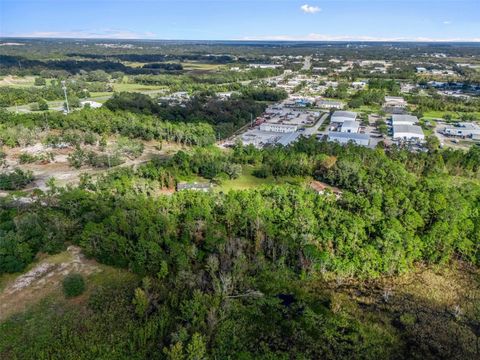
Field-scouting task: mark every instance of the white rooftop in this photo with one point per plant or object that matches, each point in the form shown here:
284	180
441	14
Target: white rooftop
407	129
404	119
342	116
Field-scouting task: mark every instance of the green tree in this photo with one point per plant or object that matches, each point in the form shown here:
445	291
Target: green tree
73	285
42	105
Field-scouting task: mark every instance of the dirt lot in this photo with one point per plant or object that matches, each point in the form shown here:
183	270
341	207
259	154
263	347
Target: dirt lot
60	169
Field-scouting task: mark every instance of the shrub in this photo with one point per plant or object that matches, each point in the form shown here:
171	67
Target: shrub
40	81
42	105
26	158
90	138
77	158
103	160
73	285
262	173
15	180
129	147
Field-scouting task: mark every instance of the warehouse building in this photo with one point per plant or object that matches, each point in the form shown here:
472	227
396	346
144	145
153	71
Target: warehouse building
350	127
342	116
408	133
330	104
289	138
345	138
280	128
463	130
404	120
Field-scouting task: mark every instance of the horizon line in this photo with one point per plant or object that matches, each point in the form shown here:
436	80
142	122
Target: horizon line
445	41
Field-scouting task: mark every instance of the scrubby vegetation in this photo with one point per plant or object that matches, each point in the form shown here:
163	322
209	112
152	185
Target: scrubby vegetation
15	180
233	273
103	121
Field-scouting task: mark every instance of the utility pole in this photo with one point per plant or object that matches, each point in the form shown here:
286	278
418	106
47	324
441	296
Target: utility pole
64	87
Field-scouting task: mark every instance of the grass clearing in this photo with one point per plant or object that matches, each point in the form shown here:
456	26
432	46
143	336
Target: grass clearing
441	114
201	66
134	87
248	181
369	109
18	81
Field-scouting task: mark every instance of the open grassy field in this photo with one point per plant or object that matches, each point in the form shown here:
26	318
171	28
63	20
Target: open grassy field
440	114
248	181
17	81
135	87
369	109
201	66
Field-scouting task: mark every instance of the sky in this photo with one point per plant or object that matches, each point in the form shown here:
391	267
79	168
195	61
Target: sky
333	20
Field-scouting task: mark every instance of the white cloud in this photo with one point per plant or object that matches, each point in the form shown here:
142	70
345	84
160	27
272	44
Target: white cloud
88	34
447	22
327	37
310	9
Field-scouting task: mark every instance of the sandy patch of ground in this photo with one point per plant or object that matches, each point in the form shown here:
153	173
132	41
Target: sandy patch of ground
63	173
43	279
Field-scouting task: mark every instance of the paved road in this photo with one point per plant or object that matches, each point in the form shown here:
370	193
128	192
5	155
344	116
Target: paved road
311	131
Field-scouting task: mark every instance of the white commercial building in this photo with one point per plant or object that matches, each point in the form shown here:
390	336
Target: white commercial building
289	138
408	133
463	130
350	127
330	104
342	116
265	66
404	120
345	138
280	128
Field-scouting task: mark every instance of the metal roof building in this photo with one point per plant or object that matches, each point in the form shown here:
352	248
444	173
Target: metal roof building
350	127
463	129
407	132
289	138
330	104
345	138
280	128
342	116
404	120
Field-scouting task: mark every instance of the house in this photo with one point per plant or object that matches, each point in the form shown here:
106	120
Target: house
404	120
350	126
345	138
408	133
280	128
330	104
320	188
342	116
194	186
